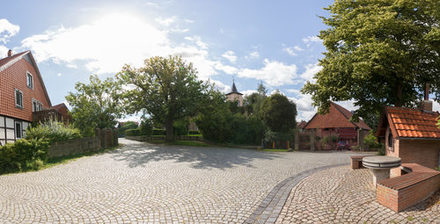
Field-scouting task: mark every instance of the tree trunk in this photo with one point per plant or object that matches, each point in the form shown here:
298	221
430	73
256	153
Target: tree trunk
170	130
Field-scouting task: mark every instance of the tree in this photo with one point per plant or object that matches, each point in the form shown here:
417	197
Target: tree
378	53
95	105
279	113
165	88
254	102
123	126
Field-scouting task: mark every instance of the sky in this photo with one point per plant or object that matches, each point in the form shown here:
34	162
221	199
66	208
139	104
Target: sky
274	42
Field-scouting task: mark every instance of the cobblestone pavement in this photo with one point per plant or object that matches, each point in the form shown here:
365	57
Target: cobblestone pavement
342	195
142	183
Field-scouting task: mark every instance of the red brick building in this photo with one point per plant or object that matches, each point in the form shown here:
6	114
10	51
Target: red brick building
411	134
22	92
337	123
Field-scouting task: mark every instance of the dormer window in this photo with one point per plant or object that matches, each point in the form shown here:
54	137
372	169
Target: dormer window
18	99
30	80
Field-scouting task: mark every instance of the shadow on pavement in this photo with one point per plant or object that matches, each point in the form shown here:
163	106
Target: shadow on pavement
200	157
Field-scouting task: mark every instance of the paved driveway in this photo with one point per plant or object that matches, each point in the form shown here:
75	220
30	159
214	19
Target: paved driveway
148	183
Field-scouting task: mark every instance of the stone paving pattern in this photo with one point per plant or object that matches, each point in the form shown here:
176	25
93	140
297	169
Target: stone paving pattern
343	195
143	183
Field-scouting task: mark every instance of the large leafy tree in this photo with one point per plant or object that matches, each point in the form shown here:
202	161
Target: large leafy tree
95	105
279	113
167	88
379	52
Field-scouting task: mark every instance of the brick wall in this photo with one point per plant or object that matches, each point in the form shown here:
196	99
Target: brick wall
407	190
14	77
423	152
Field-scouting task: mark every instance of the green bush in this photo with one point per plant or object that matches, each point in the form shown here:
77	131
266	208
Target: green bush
24	154
53	131
133	132
370	141
159	131
180	127
125	126
146	127
194	132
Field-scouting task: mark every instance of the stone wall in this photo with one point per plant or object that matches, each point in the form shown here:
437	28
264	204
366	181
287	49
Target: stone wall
145	138
104	138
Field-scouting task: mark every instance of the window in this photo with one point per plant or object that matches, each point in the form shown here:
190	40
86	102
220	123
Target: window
18	130
390	141
30	80
18	98
36	105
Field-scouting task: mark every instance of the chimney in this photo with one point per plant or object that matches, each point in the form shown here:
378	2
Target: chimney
426	104
9	53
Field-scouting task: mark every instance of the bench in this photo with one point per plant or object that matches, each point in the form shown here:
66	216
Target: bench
402	192
356	162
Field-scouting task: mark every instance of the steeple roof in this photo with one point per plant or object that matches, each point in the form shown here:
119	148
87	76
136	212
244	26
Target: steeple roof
234	89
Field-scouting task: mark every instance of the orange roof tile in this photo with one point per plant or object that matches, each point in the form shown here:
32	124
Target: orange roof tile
413	123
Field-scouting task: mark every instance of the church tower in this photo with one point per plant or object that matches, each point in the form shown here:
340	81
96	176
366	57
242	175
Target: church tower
234	95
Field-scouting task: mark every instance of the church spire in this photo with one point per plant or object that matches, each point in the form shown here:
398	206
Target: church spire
234	89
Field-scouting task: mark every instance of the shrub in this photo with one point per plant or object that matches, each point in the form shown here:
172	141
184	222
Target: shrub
53	131
146	127
370	141
180	127
133	132
159	131
381	150
24	154
125	126
194	132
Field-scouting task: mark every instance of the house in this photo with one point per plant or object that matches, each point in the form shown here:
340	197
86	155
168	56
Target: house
411	134
235	96
22	93
301	125
337	122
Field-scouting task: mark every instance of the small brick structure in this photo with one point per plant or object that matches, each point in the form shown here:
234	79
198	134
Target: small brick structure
104	138
402	192
356	162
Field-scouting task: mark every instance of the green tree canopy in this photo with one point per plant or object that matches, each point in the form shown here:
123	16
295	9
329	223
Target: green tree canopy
167	88
279	113
95	105
379	52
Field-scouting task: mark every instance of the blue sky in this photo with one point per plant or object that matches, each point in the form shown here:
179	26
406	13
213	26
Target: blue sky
270	41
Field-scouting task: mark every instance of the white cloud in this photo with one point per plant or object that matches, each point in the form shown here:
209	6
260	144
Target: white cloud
221	86
248	92
311	70
230	55
7	30
59	74
274	73
105	45
436	106
225	68
166	21
3	51
293	51
310	39
253	55
198	41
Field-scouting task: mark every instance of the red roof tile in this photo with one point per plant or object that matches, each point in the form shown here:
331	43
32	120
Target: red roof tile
413	123
338	117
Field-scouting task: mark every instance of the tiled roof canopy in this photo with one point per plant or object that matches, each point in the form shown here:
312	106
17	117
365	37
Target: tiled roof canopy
410	123
338	117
